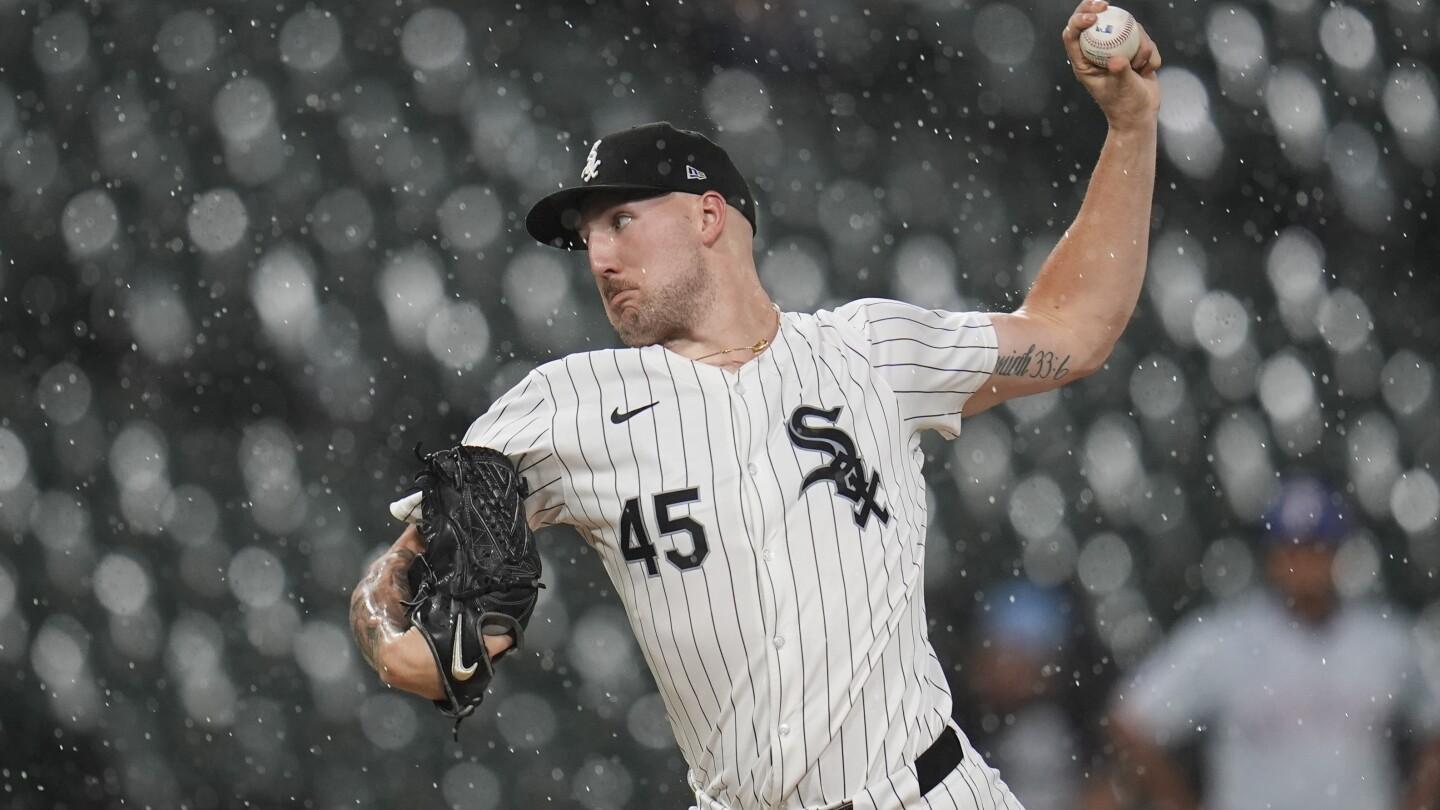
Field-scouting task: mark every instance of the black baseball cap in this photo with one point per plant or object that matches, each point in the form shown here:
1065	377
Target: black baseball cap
648	160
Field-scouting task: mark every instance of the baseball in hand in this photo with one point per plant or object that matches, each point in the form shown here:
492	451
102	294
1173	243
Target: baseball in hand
1115	33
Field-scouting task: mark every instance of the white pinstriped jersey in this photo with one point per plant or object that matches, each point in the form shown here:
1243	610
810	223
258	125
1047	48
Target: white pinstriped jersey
765	530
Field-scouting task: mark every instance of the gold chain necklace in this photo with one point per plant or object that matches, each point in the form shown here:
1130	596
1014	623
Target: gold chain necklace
760	345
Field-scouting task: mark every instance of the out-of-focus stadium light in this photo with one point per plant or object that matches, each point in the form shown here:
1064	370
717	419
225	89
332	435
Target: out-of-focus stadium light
217	221
271	629
1105	563
195	517
433	44
924	269
256	577
1295	266
1411	106
196	658
851	217
311	42
984	465
471	218
1347	37
538	290
736	101
90	223
159	320
793	270
1287	390
342	221
269	465
388	720
1287	393
245	118
411	290
32	164
1227	567
1356	569
1415	501
1125	624
282	288
1192	142
1037	506
602	783
1112	464
1157	387
323	651
60	656
121	584
458	335
1237	44
187	42
63	394
1297	112
1221	323
139	458
1049	560
1373	451
470	784
602	647
1009	34
61	44
1407	382
121	125
1175	283
1354	159
1247	476
526	720
1344	320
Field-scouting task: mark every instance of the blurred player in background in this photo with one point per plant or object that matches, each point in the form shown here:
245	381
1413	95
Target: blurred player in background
1301	699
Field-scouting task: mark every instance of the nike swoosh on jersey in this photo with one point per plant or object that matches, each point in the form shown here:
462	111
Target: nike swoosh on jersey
457	655
617	417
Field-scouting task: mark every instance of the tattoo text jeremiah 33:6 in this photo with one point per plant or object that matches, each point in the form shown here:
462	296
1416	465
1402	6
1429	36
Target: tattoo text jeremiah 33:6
1034	364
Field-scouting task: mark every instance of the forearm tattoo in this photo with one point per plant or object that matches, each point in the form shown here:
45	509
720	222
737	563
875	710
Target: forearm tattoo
1037	365
377	609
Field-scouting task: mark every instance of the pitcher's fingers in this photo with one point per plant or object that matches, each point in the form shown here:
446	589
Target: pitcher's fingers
1153	64
1143	53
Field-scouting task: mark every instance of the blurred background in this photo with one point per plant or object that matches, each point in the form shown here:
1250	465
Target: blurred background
251	253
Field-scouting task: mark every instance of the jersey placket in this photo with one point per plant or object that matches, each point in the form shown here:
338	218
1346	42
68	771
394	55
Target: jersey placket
749	408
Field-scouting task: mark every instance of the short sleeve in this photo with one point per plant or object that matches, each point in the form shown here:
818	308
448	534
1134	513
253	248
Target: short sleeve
518	424
1174	690
932	359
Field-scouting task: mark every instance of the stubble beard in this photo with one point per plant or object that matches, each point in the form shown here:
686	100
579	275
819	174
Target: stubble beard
661	314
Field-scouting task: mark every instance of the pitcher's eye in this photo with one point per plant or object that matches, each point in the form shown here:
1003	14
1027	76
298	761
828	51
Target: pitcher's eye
621	220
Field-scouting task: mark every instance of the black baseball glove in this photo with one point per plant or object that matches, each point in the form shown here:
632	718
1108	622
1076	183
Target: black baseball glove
480	572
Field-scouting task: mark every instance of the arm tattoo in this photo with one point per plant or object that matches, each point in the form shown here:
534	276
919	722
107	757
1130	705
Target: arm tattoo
377	609
1036	365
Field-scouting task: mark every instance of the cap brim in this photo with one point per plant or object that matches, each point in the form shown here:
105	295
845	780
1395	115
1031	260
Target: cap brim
554	220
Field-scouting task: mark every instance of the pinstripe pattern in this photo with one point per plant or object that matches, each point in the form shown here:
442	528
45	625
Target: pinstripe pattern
784	621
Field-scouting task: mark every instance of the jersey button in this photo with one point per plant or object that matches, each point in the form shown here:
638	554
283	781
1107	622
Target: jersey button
739	388
768	554
779	642
784	730
752	469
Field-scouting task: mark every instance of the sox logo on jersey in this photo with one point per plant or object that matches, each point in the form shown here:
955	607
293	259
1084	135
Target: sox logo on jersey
765	530
845	469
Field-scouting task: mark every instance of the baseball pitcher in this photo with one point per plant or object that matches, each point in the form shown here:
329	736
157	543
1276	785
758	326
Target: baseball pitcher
751	478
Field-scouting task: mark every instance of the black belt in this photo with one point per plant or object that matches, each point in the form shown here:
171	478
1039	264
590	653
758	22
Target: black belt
934	763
